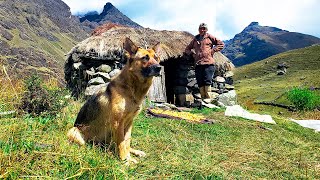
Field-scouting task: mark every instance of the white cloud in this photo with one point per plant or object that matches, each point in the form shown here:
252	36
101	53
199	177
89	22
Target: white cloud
225	18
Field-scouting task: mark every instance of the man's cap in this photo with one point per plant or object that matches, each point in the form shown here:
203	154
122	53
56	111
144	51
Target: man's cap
203	25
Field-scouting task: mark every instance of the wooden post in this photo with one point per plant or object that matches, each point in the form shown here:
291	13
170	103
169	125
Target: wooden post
157	91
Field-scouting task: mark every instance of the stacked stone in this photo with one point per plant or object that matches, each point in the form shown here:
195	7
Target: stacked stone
187	91
222	84
185	84
86	74
222	89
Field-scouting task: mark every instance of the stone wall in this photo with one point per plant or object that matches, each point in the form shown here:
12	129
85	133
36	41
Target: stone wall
85	75
187	92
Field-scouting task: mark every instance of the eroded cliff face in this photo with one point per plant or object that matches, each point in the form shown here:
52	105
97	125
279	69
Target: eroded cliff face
35	35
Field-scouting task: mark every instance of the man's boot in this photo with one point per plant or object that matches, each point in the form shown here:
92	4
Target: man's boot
206	97
202	92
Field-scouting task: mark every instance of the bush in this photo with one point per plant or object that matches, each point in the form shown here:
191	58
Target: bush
304	99
39	100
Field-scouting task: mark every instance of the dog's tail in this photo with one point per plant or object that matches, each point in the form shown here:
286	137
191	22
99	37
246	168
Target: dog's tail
74	135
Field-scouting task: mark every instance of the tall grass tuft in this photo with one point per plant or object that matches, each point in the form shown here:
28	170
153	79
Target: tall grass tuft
40	100
304	98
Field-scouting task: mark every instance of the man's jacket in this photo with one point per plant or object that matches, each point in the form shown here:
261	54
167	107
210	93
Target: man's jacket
202	49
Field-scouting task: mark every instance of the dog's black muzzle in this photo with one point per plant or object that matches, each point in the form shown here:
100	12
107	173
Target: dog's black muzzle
153	70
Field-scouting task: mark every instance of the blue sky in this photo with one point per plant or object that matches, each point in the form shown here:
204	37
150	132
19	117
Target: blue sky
225	18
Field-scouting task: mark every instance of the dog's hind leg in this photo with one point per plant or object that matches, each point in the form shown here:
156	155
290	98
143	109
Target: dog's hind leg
74	135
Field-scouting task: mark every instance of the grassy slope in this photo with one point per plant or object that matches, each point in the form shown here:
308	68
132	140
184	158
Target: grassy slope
54	50
232	148
259	82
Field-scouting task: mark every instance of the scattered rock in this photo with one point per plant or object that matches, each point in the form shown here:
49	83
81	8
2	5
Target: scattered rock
228	99
281	72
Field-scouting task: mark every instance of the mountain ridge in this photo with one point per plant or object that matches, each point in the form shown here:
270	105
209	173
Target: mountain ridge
257	42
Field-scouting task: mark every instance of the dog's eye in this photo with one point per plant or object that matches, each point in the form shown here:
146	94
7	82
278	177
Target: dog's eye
146	57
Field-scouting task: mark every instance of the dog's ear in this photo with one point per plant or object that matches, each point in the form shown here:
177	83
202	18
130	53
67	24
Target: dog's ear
157	48
129	46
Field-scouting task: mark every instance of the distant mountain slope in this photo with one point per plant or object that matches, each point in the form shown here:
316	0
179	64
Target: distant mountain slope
35	35
257	42
109	14
259	81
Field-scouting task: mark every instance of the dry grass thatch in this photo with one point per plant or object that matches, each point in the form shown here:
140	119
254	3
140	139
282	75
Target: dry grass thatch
107	42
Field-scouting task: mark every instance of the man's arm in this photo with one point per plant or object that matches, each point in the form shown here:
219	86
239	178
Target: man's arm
218	44
189	48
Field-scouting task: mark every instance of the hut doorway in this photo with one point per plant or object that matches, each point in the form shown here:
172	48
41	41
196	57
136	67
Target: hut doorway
170	67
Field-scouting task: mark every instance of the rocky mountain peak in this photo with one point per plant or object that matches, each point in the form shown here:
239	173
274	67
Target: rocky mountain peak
109	14
255	27
107	8
254	24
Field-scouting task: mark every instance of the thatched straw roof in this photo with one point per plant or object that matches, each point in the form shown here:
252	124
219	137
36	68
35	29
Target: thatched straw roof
106	43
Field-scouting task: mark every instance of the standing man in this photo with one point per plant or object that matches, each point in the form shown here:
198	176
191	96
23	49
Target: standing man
202	48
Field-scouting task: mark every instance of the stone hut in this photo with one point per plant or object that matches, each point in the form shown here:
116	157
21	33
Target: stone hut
93	62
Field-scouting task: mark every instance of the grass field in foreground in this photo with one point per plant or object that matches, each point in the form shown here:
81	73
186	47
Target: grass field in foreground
232	148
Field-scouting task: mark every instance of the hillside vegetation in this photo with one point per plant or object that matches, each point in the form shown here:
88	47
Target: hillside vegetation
35	35
259	81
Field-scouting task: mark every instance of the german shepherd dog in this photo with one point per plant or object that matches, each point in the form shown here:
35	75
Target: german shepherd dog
107	117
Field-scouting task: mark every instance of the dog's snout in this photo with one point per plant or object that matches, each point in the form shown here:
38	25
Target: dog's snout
153	70
157	68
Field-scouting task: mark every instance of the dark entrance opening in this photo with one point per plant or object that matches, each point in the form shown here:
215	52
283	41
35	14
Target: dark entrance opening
170	67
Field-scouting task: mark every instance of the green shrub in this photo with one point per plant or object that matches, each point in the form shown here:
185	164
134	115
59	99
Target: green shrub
39	100
303	98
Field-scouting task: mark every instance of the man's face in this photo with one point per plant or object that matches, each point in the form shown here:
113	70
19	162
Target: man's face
202	31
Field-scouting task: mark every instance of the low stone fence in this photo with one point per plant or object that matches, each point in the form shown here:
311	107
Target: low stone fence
187	92
87	74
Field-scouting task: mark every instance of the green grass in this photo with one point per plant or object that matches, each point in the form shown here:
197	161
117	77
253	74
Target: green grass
259	82
233	148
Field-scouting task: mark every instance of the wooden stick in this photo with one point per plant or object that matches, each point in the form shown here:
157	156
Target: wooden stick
292	108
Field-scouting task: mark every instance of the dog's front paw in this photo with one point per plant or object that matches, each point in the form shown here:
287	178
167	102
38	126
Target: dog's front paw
137	152
129	160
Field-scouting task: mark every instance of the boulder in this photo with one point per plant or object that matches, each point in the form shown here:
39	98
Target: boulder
228	99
